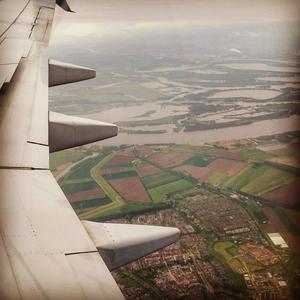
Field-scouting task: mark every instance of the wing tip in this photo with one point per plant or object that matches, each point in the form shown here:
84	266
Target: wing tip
64	5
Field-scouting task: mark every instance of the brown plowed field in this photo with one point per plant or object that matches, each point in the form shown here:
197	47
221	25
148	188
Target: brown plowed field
226	154
292	241
131	189
119	159
145	170
200	173
144	152
293	215
288	194
275	222
98	192
169	159
229	167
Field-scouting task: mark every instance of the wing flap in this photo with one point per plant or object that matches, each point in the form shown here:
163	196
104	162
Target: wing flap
68	131
120	244
62	73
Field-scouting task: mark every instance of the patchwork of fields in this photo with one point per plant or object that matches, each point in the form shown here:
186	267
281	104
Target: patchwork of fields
126	181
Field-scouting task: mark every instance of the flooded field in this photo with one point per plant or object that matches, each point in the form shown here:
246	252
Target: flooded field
146	111
247	93
261	67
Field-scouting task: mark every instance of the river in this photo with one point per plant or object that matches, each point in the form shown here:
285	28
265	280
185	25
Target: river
267	127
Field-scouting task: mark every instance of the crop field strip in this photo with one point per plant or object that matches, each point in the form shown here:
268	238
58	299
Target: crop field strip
285	195
130	189
259	179
90	203
86	195
160	179
116	199
82	170
120	175
159	193
79	187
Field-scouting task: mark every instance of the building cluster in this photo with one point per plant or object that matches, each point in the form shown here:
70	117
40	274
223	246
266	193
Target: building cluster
262	254
165	218
179	281
267	285
223	217
189	268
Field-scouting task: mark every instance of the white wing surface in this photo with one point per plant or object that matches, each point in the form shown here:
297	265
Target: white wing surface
45	250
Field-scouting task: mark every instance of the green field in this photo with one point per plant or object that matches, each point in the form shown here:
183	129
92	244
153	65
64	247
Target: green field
60	158
82	170
216	178
160	179
159	193
256	211
79	187
259	179
120	175
287	151
90	203
199	161
256	154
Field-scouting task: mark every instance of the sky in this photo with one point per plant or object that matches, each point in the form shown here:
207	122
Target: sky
106	18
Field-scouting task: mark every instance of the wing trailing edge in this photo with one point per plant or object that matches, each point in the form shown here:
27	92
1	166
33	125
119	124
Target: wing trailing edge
68	131
62	73
119	244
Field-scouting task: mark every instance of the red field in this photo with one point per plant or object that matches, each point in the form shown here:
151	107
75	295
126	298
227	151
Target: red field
98	192
145	170
226	166
288	194
119	159
293	215
275	225
226	154
200	173
275	222
144	152
131	189
110	171
292	241
169	159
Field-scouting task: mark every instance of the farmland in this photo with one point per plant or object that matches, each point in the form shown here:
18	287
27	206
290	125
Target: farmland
288	194
225	202
258	179
68	156
140	175
131	189
159	193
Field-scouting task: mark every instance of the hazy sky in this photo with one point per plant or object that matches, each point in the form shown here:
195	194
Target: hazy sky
106	17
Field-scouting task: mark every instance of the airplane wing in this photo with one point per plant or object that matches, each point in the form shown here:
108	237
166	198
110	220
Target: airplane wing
46	252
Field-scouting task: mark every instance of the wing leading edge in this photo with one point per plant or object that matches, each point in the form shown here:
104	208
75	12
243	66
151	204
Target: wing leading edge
46	252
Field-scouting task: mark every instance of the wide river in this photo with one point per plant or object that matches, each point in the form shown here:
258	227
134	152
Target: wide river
256	129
